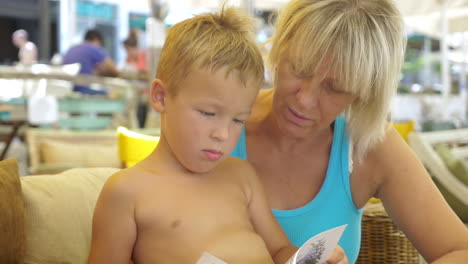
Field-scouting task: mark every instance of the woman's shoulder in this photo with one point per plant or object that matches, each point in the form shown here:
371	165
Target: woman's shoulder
262	104
388	159
265	94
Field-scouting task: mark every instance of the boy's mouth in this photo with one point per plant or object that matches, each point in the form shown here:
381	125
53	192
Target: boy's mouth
212	155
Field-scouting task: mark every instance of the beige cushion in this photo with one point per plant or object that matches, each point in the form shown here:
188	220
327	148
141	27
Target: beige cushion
459	168
79	154
12	234
59	210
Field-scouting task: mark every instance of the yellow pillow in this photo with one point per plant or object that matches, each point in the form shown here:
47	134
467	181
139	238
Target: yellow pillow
404	128
80	154
12	234
134	146
58	214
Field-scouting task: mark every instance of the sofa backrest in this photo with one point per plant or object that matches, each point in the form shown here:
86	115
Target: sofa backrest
58	214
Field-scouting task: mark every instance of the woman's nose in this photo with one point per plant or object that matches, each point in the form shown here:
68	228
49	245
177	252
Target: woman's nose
308	94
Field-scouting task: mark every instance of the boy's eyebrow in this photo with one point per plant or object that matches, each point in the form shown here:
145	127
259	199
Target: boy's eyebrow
245	113
217	105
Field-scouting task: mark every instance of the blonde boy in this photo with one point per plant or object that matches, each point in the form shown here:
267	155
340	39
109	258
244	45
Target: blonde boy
189	196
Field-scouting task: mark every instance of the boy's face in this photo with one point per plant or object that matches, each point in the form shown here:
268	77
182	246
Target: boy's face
203	121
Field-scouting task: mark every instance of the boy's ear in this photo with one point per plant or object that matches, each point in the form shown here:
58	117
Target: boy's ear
158	93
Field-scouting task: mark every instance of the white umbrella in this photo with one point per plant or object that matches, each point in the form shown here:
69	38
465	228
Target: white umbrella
425	16
437	18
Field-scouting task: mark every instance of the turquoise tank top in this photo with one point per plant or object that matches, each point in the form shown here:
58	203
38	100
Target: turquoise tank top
333	206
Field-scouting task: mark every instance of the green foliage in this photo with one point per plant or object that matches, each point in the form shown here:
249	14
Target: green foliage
413	61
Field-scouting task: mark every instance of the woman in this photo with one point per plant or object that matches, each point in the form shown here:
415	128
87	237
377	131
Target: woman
320	141
136	58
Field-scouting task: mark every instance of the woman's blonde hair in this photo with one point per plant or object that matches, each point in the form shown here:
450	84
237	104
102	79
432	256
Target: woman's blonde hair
211	41
364	42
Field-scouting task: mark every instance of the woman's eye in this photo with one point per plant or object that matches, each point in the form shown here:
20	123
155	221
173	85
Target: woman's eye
205	113
302	75
332	88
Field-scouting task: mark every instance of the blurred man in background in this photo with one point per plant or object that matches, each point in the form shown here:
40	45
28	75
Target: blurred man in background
93	59
27	50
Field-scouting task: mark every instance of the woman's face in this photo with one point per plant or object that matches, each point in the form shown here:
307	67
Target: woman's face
307	104
132	52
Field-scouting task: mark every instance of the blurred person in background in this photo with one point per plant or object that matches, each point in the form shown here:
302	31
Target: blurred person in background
135	67
135	63
92	58
27	50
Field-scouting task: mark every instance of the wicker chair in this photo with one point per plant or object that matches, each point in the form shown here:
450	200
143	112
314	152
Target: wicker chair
382	242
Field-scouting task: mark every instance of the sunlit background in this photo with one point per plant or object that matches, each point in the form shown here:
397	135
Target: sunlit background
433	79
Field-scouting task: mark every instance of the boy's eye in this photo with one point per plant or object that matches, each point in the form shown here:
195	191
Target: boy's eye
205	113
238	121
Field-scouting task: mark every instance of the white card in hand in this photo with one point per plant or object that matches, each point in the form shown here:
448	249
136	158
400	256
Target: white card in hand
207	258
318	248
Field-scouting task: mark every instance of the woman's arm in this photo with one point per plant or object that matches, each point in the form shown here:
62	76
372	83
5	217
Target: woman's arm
414	203
114	228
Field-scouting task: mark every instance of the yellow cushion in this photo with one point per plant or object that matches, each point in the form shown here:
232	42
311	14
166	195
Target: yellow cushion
58	213
404	128
12	233
134	146
79	154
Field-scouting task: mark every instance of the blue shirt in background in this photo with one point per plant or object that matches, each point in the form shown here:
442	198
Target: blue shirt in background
89	56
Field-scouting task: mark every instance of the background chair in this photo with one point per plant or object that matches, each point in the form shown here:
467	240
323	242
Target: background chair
14	126
444	155
56	150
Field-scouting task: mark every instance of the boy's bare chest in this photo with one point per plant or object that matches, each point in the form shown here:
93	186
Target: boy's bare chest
177	222
174	208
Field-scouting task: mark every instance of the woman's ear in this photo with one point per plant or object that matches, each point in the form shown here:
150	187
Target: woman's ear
158	94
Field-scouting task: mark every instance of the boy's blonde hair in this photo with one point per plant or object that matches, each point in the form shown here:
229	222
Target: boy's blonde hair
211	41
364	42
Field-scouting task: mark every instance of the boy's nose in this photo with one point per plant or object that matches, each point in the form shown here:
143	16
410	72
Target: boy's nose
220	132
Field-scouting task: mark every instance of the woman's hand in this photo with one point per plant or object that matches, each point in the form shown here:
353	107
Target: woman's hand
338	257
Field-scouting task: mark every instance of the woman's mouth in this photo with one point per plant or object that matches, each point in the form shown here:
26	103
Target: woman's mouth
296	117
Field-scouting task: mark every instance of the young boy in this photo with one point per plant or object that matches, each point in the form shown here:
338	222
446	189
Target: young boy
189	197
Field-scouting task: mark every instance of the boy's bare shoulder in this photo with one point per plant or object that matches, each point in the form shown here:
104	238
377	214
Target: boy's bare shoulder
237	165
244	173
123	183
239	169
